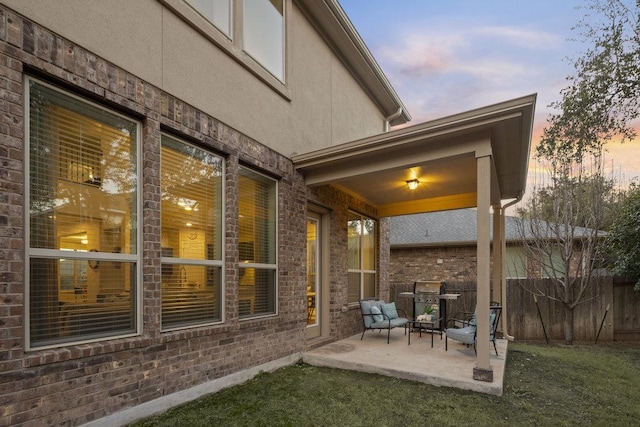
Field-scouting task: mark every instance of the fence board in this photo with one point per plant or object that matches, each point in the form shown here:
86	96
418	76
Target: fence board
525	322
626	306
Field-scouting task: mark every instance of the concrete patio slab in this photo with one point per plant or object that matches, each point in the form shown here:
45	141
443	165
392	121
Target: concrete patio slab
416	362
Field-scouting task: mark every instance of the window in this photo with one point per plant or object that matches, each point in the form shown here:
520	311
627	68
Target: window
516	263
257	237
83	194
253	32
263	34
192	233
218	12
361	257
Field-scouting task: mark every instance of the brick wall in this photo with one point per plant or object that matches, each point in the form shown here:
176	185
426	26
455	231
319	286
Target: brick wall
456	264
75	384
344	324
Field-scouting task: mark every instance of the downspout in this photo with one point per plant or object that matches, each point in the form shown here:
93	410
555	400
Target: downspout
388	120
503	278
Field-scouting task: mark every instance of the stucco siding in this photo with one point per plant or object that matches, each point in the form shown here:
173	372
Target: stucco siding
327	106
352	117
126	33
311	87
206	77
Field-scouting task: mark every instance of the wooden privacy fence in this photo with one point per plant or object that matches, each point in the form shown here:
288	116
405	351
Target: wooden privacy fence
526	323
622	321
626	306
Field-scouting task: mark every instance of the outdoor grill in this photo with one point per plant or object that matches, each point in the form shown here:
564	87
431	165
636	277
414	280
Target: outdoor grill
427	293
430	292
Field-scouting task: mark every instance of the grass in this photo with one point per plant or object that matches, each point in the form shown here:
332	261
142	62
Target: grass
544	386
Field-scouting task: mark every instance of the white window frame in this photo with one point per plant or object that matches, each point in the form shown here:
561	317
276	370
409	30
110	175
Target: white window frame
233	44
59	254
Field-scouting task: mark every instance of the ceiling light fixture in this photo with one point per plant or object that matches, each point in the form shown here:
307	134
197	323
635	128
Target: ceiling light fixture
412	184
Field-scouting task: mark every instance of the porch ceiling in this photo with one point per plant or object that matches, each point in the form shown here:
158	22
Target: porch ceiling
441	154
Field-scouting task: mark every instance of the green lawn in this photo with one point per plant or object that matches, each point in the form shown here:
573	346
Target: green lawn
544	386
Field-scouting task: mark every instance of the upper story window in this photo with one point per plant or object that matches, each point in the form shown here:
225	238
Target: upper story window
251	31
83	222
361	234
218	12
263	34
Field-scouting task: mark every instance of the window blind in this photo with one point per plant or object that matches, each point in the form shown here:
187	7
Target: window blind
75	215
257	244
192	233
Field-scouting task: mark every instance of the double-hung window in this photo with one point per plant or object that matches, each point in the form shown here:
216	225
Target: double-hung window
192	234
252	31
257	243
361	234
82	220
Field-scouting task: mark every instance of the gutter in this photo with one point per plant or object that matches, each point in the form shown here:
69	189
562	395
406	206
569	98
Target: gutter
389	119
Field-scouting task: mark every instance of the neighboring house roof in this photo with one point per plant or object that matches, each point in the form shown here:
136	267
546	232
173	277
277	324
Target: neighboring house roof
455	228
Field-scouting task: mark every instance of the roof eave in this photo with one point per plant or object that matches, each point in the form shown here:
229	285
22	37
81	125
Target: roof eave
520	107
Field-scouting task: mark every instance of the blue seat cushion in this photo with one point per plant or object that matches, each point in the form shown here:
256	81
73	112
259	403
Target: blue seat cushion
395	323
465	335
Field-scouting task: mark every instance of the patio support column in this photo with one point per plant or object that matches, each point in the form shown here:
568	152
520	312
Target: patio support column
483	371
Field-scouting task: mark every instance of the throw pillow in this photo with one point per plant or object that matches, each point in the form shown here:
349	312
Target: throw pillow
390	310
377	314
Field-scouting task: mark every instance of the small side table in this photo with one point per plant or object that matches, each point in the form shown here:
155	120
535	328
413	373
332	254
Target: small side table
430	326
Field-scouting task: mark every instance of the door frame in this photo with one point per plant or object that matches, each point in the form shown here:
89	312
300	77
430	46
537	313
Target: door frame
321	328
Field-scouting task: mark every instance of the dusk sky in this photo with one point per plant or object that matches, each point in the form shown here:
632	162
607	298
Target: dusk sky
445	57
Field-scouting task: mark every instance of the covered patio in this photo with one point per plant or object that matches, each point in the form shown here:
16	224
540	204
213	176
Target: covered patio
416	362
476	159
